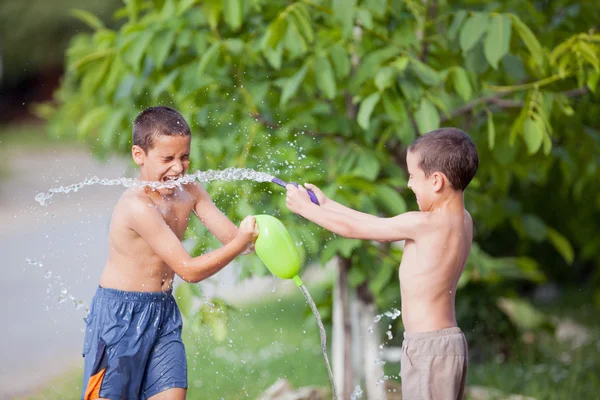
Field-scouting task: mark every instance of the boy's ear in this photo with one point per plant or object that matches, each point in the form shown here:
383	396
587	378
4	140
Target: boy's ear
138	154
439	180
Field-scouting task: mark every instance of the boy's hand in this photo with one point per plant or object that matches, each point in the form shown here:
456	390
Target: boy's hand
318	192
297	198
248	232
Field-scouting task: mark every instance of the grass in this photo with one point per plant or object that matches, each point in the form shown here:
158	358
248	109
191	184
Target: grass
273	340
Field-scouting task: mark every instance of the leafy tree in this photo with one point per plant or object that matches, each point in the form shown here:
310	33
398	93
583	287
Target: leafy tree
332	92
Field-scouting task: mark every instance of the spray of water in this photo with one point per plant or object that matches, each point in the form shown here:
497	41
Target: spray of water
228	174
357	393
315	311
64	295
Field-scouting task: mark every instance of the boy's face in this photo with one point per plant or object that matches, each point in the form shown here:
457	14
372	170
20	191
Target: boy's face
420	184
168	159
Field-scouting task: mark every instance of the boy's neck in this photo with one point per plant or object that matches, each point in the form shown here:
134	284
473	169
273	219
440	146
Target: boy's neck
451	200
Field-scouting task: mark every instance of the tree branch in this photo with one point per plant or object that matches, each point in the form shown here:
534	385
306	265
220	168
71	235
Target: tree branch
499	101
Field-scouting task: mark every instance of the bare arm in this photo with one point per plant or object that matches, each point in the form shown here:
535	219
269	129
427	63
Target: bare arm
352	225
147	221
332	205
215	221
402	227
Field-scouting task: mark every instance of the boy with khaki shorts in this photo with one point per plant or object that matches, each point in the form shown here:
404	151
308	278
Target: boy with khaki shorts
438	240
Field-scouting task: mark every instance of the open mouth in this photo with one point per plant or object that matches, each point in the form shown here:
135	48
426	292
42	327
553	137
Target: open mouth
170	178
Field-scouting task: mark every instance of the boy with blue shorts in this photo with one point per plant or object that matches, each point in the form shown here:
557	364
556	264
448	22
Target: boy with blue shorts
132	347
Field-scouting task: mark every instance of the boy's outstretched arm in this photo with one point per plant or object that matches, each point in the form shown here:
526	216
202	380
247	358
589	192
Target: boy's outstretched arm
402	227
147	221
332	205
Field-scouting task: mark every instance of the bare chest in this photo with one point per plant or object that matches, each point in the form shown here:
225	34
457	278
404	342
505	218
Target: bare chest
176	214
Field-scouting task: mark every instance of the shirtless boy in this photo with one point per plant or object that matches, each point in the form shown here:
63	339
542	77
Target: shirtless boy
437	243
133	347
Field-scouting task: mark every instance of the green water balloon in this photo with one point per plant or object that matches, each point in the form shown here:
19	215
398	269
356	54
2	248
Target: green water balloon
275	248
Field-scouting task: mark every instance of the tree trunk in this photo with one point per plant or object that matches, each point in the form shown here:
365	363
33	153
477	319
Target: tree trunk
342	332
371	340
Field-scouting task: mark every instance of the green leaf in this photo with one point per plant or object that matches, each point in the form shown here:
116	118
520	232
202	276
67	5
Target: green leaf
213	9
535	227
366	109
234	46
275	33
491	130
394	107
460	79
291	85
425	73
522	314
232	13
341	60
378	7
385	78
457	21
390	199
325	76
364	18
356	276
88	18
561	244
208	58
343	11
110	129
134	52
92	120
165	83
274	56
367	166
382	277
347	246
161	47
534	134
592	81
497	40
473	30
427	117
185	5
303	21
529	39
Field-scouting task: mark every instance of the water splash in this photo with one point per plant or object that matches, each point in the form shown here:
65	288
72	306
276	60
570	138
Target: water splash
64	295
315	311
228	174
357	393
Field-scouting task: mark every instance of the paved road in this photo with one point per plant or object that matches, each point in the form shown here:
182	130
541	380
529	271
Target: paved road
40	337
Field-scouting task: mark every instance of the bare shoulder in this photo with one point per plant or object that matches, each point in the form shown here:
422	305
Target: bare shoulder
197	191
135	204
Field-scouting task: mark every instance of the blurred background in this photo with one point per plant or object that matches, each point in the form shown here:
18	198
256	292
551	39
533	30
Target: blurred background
329	92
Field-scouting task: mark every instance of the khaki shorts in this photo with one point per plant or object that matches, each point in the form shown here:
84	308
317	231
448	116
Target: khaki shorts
434	365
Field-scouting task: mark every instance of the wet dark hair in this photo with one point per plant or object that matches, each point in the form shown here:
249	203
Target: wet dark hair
158	121
450	151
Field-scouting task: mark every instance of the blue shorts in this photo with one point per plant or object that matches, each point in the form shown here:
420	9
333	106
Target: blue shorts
132	347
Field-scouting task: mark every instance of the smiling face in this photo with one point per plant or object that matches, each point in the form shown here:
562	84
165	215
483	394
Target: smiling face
422	185
168	159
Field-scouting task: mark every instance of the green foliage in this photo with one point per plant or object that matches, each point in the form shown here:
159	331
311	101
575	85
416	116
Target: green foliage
332	92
